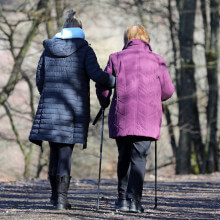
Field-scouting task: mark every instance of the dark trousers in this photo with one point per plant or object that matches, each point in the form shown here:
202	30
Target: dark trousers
133	151
60	159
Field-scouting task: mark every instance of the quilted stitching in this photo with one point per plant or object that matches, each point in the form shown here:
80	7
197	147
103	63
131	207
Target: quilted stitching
143	82
63	75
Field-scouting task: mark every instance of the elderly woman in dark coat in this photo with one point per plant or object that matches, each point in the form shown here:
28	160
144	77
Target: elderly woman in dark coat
63	74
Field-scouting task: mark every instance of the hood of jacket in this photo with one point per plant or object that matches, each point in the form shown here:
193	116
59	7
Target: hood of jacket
66	42
63	47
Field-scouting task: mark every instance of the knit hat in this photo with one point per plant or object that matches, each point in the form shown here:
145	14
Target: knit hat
71	21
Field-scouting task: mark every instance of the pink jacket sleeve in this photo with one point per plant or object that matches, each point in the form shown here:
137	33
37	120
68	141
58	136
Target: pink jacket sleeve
104	94
167	87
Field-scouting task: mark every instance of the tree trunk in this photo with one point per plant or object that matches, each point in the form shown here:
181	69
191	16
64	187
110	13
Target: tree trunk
190	133
170	129
28	159
27	155
60	6
211	54
139	5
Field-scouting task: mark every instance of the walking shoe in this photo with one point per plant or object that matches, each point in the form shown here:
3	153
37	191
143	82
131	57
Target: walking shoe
62	190
122	204
136	207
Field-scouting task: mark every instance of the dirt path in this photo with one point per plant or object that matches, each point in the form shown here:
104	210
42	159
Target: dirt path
182	197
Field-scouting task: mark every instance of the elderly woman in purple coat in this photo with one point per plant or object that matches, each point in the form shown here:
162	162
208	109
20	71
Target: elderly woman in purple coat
142	83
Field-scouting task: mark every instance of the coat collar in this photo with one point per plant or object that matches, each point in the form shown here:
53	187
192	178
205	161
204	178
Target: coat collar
137	42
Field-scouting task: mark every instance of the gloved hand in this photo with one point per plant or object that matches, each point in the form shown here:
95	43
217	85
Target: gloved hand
106	101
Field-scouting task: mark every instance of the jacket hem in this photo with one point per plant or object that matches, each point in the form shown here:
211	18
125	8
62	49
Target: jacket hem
40	141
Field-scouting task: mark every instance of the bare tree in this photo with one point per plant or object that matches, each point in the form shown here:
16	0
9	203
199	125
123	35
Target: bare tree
8	28
182	46
34	16
211	32
178	16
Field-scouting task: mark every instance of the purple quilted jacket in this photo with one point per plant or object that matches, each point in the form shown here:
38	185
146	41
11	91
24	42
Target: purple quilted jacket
142	83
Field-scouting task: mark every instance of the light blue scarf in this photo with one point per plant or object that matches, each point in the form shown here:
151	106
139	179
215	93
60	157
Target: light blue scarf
69	33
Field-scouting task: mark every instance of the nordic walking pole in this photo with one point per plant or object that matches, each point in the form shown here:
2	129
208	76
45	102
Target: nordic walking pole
97	117
100	159
155	206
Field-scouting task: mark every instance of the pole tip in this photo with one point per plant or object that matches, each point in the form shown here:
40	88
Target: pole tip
155	206
97	207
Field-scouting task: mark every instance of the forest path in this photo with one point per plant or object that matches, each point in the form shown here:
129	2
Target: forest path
179	197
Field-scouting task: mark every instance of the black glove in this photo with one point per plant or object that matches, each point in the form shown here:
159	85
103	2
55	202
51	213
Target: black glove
106	102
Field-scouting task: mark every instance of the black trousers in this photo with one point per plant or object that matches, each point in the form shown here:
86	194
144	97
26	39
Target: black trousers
60	159
133	151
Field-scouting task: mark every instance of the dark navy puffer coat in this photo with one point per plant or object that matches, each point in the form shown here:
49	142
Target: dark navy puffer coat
62	78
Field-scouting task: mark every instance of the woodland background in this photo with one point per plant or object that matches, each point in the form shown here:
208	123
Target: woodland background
184	32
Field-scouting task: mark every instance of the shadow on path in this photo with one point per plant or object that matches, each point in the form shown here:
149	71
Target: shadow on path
176	200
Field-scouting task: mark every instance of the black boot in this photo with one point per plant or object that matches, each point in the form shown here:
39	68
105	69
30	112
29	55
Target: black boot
136	207
62	189
53	183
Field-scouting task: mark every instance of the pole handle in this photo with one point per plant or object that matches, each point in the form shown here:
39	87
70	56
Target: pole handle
97	116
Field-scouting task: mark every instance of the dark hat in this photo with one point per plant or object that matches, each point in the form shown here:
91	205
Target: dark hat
71	20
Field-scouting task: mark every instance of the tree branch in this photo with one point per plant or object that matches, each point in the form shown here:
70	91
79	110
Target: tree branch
18	139
15	74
